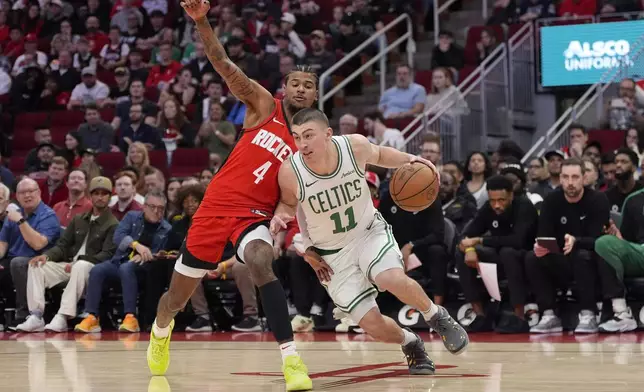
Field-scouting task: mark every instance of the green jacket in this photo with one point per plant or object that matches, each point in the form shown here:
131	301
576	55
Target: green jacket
100	244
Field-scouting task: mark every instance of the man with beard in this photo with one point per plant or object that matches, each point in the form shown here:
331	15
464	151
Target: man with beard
544	187
459	207
626	161
575	216
511	222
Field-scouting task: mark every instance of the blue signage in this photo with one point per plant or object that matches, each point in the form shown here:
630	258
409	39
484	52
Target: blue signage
581	54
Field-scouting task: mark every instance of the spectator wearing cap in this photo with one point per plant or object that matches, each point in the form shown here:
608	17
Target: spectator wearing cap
28	231
42	134
77	202
512	169
89	91
459	207
575	217
447	54
319	59
55	14
137	130
87	241
156	6
121	18
622	256
95	37
138	237
406	98
66	75
626	162
380	134
125	188
53	188
511	221
422	234
31	57
44	154
296	46
200	64
348	124
84	58
167	69
114	53
96	133
120	92
555	158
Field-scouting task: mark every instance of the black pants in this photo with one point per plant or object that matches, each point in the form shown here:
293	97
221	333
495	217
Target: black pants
512	263
611	285
553	271
434	259
305	287
157	277
6	284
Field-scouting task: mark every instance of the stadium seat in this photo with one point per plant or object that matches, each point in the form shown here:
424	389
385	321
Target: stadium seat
111	162
159	159
17	164
32	119
610	140
424	78
189	161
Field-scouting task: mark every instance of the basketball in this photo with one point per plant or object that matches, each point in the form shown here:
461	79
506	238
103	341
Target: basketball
414	187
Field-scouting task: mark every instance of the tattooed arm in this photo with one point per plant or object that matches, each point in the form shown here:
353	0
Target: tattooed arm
258	100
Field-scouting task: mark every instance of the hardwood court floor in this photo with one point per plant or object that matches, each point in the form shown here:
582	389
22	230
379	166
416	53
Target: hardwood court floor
250	362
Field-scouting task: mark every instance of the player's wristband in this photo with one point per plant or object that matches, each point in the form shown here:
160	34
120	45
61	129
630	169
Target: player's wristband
470	249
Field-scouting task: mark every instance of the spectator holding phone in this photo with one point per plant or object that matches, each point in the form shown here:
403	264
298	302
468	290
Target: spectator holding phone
511	221
572	218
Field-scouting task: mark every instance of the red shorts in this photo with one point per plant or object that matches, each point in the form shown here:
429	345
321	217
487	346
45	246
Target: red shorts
207	237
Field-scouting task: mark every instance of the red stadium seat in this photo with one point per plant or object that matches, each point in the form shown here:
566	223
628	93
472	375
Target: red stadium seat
111	162
159	159
106	77
71	118
17	164
32	119
23	140
610	140
189	161
424	78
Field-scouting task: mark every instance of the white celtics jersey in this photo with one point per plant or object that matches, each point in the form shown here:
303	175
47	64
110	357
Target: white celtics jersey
338	207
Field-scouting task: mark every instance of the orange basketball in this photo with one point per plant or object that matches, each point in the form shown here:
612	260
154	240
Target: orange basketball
414	187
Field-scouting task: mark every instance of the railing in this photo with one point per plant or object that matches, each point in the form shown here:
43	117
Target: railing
558	134
522	70
381	56
438	9
485	91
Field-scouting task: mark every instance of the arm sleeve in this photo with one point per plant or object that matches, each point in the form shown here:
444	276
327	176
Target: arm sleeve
525	217
597	216
50	228
122	237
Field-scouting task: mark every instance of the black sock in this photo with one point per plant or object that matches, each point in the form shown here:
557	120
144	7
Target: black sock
276	310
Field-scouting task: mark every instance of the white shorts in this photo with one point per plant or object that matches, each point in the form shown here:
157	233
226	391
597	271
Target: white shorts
356	266
258	233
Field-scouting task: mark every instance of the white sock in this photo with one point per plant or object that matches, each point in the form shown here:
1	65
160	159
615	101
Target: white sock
160	332
428	314
619	305
287	349
549	312
409	337
316	310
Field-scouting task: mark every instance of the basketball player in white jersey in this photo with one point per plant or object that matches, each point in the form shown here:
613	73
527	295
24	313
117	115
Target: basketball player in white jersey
347	241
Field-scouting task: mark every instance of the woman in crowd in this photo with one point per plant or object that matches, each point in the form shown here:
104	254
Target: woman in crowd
73	147
172	192
206	175
137	157
445	95
487	44
173	122
477	170
181	88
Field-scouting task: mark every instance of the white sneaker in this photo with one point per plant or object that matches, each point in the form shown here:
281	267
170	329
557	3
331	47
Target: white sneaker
621	322
587	323
33	323
57	324
302	324
547	324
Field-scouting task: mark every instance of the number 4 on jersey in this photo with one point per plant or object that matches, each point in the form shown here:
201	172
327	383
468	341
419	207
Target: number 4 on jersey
260	172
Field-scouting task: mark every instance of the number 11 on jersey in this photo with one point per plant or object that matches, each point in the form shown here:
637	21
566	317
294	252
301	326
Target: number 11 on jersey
260	172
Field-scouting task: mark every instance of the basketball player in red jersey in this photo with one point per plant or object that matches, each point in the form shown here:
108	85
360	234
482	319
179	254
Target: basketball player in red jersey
239	203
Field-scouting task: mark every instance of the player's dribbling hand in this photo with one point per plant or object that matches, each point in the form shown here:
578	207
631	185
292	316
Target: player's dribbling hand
427	163
321	268
196	9
279	223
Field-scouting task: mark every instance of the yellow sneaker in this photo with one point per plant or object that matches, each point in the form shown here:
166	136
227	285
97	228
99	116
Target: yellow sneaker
296	374
159	353
89	324
159	384
129	324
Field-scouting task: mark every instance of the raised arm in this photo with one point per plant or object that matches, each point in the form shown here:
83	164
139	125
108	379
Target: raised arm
258	100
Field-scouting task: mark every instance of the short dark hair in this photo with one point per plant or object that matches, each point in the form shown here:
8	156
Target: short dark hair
91	106
608	158
307	69
499	183
578	126
510	148
404	65
80	171
375	115
574	161
456	163
631	155
42	127
309	114
431	137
